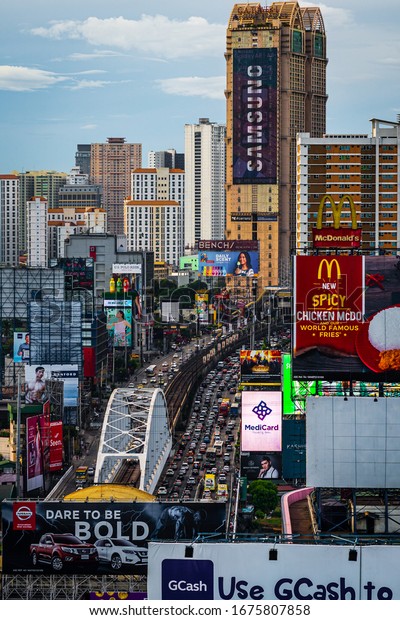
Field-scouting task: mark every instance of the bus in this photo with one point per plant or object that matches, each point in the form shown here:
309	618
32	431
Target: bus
151	370
81	474
210	455
219	448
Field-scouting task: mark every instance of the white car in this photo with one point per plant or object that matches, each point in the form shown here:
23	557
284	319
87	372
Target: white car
118	551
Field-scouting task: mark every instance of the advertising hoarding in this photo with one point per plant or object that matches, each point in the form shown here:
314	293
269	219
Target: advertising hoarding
97	538
294	449
233	258
243	571
35	383
56	446
353	443
37	450
79	272
21	347
263	366
135	268
170	311
261	466
255	115
335	236
347	318
119	321
201	301
261	424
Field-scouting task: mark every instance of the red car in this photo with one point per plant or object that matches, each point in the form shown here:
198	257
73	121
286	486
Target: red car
63	550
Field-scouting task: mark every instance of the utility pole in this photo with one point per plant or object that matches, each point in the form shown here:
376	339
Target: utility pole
18	443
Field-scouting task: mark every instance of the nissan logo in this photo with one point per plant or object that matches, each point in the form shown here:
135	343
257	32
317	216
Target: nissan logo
24	513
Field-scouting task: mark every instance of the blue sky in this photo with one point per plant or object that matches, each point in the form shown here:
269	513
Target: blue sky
79	71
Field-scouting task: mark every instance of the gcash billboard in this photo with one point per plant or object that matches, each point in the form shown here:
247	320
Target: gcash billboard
97	538
255	104
255	572
347	318
261	421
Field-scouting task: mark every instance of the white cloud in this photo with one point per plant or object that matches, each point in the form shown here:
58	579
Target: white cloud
95	55
207	88
93	126
89	84
334	17
21	79
159	35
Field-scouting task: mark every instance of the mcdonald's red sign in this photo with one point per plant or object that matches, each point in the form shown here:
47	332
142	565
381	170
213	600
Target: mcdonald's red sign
336	236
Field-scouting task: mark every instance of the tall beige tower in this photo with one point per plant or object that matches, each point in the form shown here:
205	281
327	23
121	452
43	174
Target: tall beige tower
111	165
276	87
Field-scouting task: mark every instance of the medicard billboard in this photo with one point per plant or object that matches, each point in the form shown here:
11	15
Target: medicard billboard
261	366
245	571
255	105
261	424
347	318
228	258
97	538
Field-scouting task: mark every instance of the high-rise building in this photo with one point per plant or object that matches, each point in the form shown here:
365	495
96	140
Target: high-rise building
204	182
276	87
166	159
9	220
360	167
154	216
111	166
37	232
82	158
41	183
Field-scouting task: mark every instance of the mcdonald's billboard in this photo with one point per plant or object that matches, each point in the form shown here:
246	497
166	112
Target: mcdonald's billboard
336	236
346	318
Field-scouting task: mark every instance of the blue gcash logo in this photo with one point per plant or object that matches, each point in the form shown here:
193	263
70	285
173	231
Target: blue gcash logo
191	580
262	410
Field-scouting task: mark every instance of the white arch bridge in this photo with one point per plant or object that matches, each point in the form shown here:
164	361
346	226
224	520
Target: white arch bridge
135	428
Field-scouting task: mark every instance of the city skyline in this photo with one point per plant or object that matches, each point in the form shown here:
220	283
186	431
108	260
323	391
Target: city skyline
75	74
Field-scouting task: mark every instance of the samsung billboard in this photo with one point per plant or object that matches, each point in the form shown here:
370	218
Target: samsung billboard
261	428
255	105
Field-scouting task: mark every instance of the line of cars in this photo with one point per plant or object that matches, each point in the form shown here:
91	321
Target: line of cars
194	455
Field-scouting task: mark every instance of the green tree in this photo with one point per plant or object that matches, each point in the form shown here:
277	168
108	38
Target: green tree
264	495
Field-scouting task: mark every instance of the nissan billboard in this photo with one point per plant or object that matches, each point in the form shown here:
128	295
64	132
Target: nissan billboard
97	537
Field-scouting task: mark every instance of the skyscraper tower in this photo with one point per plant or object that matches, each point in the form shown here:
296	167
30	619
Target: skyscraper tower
276	87
111	165
204	181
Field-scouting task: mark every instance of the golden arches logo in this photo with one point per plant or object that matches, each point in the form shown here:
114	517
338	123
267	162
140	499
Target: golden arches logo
337	210
329	265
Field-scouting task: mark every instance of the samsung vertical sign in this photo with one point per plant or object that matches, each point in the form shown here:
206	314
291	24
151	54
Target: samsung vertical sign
255	115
